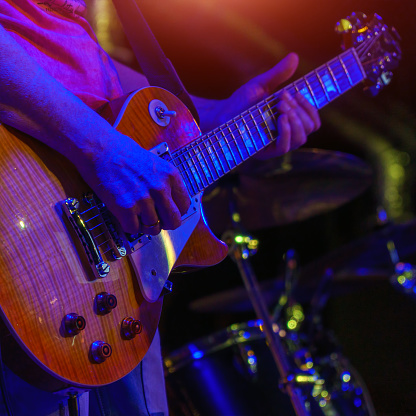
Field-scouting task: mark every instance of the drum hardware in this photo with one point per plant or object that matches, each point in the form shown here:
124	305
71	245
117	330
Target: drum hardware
239	253
288	189
290	281
232	372
404	277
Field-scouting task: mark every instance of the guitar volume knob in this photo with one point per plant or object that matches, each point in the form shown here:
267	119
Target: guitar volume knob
100	351
105	303
74	323
130	327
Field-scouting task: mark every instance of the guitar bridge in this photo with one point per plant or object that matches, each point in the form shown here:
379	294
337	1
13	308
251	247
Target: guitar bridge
96	232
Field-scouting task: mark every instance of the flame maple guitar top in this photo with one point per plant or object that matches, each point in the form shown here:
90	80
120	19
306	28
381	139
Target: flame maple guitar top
44	275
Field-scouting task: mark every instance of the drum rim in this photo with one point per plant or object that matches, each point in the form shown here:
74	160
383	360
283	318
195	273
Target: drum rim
232	335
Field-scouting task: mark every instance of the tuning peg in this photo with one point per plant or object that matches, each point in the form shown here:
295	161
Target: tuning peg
343	26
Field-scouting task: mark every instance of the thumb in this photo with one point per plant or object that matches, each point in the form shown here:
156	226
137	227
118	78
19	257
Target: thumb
280	73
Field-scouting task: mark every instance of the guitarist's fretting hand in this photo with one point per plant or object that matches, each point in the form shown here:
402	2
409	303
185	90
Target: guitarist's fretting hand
298	117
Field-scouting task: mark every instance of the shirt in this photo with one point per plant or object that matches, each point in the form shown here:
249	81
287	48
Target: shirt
56	34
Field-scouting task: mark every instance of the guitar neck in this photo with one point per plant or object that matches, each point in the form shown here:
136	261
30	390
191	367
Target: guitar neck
216	153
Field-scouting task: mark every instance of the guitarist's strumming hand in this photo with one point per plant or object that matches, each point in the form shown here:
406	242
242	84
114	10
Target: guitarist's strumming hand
298	118
143	191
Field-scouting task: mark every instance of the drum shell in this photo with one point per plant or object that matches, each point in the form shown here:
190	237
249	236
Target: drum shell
228	373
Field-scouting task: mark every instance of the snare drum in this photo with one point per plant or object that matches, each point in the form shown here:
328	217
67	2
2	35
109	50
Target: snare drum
232	373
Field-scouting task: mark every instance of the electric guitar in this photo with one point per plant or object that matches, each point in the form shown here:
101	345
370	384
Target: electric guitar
81	298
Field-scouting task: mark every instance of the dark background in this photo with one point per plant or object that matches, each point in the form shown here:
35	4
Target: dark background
216	46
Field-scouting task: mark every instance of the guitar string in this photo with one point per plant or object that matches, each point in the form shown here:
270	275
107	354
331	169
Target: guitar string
247	112
361	50
192	164
198	153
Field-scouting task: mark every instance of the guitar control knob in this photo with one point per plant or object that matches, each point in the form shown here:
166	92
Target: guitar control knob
100	351
105	303
131	327
74	323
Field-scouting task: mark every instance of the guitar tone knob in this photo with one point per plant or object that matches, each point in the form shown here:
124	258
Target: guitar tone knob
130	327
105	303
100	351
74	323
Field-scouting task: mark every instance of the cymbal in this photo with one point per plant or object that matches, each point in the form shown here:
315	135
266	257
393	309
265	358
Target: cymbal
237	300
365	255
280	191
360	264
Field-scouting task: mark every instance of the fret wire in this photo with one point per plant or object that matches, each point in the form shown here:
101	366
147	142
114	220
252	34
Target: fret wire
359	63
200	171
271	115
249	133
179	155
212	145
290	87
210	154
323	86
194	171
188	181
222	150
229	147
311	91
345	69
296	88
333	77
206	162
243	138
257	127
235	140
264	120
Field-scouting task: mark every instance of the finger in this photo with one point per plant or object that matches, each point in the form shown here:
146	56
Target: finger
270	80
128	220
310	110
297	130
180	195
283	138
168	212
149	219
304	117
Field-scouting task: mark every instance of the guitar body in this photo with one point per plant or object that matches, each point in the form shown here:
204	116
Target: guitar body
46	267
44	272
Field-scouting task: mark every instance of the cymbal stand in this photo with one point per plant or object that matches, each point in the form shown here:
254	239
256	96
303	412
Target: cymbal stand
404	277
250	281
239	251
291	275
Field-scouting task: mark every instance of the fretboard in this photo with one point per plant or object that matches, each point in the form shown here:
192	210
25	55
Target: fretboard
216	153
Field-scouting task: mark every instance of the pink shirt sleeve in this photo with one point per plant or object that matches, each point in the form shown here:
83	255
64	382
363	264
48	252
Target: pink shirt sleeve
56	34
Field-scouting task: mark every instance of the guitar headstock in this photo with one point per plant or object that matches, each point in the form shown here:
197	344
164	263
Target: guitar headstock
376	44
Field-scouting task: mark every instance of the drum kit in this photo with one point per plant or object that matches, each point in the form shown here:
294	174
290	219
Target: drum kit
286	362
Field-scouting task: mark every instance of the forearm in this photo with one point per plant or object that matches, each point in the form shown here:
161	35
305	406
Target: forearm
35	103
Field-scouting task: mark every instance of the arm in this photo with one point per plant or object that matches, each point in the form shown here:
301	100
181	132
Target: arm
131	181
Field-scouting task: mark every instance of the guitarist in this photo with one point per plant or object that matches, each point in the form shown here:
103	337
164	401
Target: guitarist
53	75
